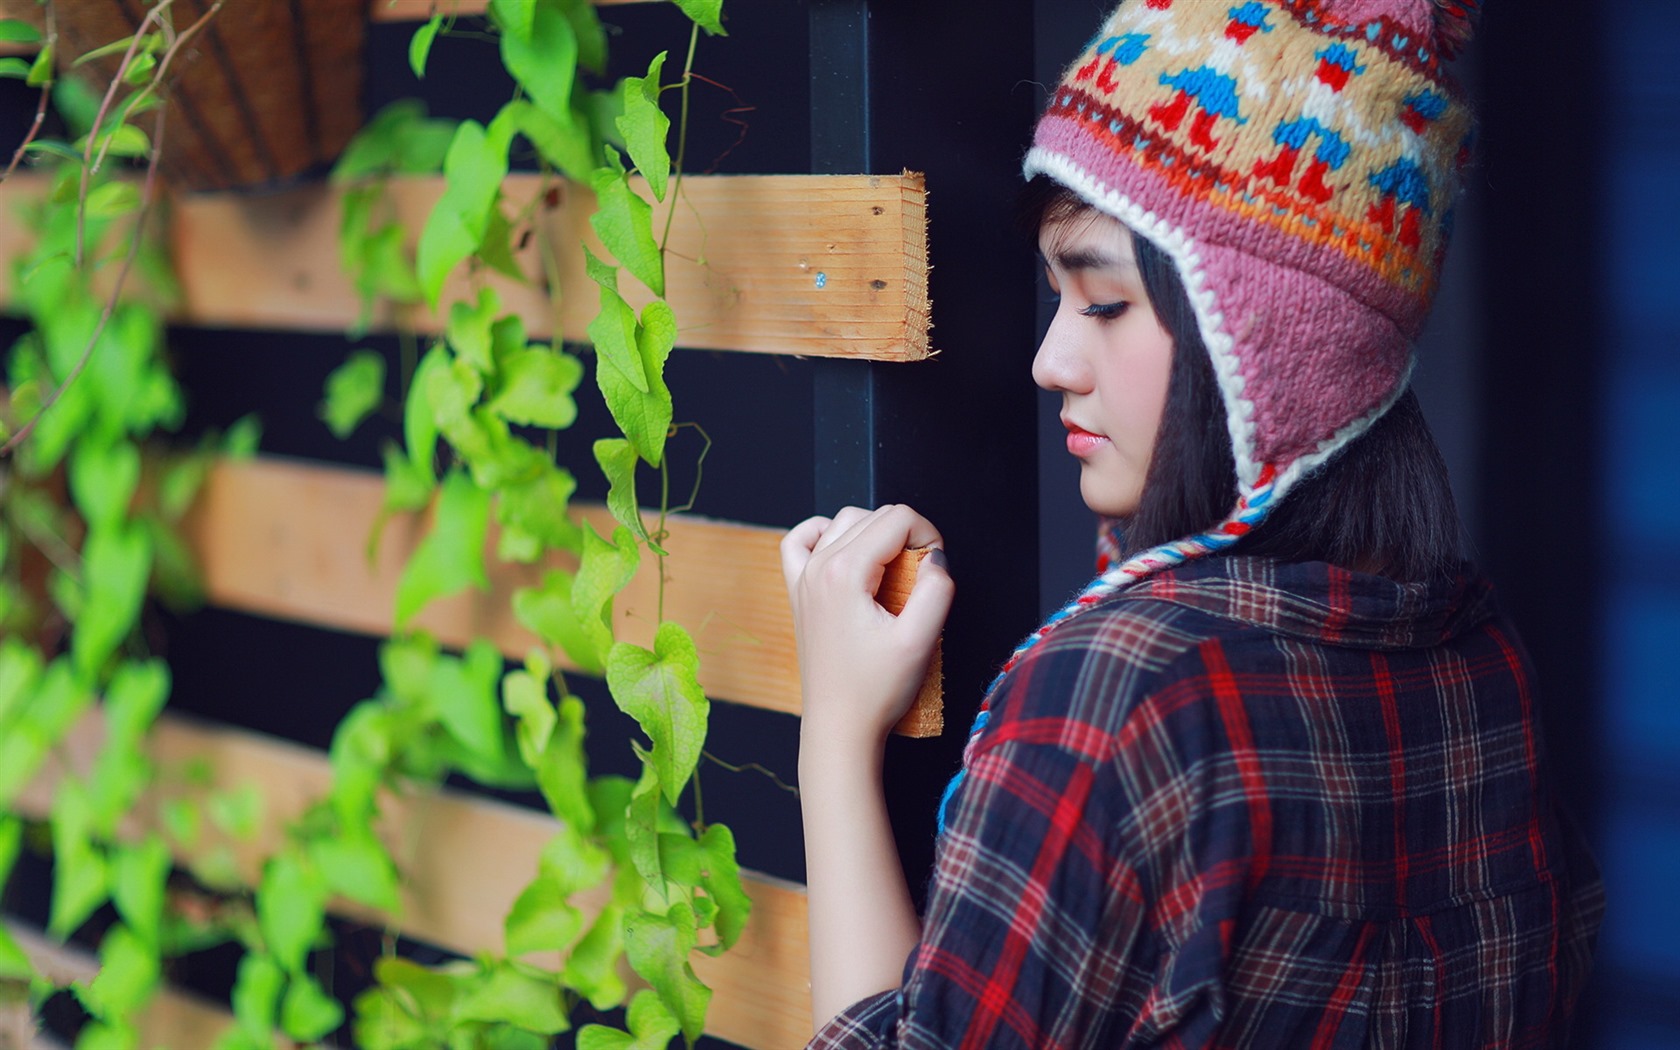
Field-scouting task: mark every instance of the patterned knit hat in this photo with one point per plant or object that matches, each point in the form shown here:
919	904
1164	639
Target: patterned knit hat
1298	160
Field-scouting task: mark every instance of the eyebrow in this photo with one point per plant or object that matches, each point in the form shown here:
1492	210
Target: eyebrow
1076	260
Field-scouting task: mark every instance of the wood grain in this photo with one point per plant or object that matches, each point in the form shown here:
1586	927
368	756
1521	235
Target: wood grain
465	860
926	716
285	539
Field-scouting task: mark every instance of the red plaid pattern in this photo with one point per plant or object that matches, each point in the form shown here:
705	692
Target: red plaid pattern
1255	805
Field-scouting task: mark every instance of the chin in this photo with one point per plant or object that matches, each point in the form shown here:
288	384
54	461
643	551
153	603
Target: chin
1107	503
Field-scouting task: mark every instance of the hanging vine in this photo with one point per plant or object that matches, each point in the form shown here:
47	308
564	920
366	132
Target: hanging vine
475	407
88	383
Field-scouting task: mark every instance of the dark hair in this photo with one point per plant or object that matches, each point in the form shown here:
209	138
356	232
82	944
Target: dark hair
1383	505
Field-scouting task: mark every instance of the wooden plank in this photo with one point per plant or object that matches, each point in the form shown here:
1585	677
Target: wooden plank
821	265
465	860
283	538
175	1018
817	265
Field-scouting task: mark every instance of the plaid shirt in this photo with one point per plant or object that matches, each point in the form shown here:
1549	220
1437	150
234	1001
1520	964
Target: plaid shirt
1246	804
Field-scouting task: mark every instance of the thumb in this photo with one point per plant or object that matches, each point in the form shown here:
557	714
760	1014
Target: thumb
930	598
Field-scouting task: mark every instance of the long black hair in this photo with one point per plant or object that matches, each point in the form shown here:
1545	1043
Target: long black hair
1383	505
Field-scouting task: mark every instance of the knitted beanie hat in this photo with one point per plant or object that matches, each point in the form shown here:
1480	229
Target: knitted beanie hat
1298	160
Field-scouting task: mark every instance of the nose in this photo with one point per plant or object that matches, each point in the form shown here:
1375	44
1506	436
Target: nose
1059	366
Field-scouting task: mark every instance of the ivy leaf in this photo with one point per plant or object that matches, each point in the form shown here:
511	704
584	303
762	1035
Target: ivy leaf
14	68
658	947
708	14
661	692
451	557
308	1012
644	417
464	691
540	50
111	200
514	995
645	128
641	826
291	907
473	172
256	996
133	698
624	222
420	46
514	17
496	249
420	429
652	1027
592	966
407	486
129	969
525	698
617	458
536	510
356	866
468	330
536	388
400	139
546	611
125	140
14	961
103	478
116	562
139	878
563	772
603	571
16	31
613	329
41	70
562	141
80	876
542	919
720	875
354	390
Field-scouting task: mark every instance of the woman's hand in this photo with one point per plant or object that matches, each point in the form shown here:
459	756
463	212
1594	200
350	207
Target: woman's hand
859	665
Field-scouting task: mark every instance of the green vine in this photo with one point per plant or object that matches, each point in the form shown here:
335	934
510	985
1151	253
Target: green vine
88	526
88	520
475	408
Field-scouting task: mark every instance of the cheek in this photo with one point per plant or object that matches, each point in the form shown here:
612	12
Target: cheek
1139	378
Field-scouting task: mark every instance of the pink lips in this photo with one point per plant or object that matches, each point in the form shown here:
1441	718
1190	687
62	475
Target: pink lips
1082	442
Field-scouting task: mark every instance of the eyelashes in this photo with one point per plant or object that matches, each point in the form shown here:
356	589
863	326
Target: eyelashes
1104	311
1101	311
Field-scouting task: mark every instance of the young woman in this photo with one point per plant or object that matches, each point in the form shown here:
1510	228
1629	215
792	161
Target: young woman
1274	778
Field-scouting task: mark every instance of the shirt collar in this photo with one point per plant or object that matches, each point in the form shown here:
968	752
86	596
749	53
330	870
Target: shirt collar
1324	603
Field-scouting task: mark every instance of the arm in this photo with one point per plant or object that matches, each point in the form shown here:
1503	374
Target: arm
859	670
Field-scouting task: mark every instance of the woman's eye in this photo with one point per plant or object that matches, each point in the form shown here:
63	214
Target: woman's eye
1104	311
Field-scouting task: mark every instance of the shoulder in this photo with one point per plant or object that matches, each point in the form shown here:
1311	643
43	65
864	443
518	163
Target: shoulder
1086	679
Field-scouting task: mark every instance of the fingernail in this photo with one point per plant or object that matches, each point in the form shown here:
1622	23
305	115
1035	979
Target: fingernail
937	556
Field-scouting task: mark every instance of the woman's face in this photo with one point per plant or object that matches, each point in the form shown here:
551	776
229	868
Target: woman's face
1107	354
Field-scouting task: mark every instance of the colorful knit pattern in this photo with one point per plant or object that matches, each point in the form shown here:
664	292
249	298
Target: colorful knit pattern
1299	160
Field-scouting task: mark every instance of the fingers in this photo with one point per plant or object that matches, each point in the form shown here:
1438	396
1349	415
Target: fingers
797	546
882	535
